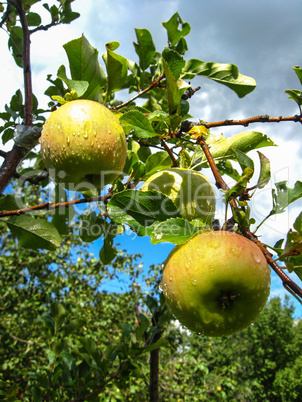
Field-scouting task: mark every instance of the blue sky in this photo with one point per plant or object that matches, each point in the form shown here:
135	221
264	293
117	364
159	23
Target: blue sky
264	38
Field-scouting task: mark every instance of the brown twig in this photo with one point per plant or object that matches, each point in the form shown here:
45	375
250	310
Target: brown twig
15	156
287	282
255	119
151	86
169	151
50	206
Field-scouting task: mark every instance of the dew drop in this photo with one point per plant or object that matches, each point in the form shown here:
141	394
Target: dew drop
257	258
236	252
170	278
212	268
194	282
85	135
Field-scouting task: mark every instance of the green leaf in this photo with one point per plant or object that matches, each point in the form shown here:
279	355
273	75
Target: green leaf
244	142
79	86
295	95
108	252
226	74
117	68
34	233
144	48
33	19
173	64
162	342
265	170
283	196
174	34
240	186
10	203
84	66
140	208
298	224
15	43
92	227
244	160
174	230
158	161
142	327
298	71
138	122
59	313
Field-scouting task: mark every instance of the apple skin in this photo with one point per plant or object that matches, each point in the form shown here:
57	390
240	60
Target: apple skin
190	191
83	142
217	283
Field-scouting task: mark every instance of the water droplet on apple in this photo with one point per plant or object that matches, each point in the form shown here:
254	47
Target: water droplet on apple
212	268
170	278
236	252
214	244
85	135
194	282
257	258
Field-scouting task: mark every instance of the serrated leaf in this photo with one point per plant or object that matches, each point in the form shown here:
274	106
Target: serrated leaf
244	142
117	68
283	196
265	170
108	252
140	208
293	245
10	203
174	230
298	71
184	159
175	34
138	122
84	66
244	160
34	233
173	64
92	227
158	161
144	47
79	86
295	94
298	224
226	74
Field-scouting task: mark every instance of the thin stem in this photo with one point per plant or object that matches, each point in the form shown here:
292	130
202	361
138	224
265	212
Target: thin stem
151	86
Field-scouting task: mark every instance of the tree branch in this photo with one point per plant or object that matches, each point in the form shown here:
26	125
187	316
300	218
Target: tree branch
47	206
256	119
151	86
287	282
15	156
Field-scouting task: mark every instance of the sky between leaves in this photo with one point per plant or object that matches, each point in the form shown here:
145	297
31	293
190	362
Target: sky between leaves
263	38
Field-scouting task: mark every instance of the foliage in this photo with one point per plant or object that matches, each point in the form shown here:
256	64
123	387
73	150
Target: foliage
62	336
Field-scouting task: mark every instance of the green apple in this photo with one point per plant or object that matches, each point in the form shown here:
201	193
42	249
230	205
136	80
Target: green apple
217	283
83	142
190	191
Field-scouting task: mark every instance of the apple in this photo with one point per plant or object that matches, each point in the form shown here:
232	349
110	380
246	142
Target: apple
83	142
216	283
190	191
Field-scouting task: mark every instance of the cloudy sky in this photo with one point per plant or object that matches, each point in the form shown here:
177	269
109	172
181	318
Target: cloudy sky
262	37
